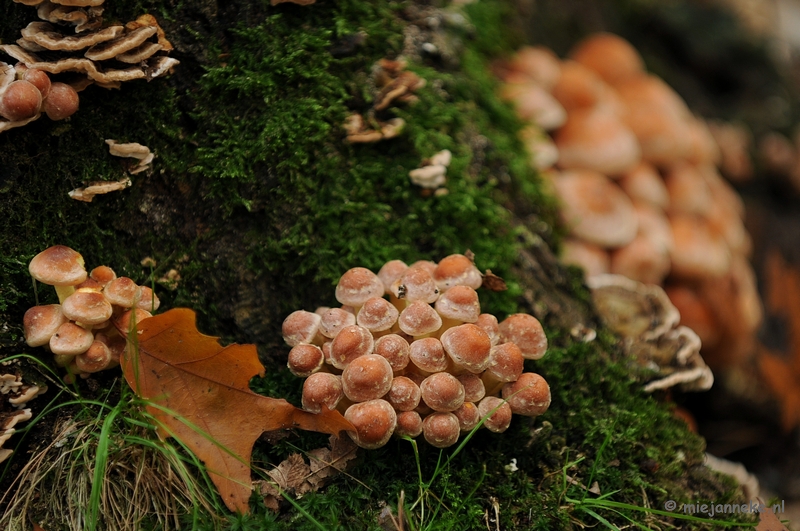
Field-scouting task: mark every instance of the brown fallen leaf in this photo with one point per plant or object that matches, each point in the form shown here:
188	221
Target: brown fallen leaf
492	282
37	527
768	521
201	396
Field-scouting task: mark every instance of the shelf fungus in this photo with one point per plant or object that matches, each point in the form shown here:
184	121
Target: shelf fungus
88	192
132	150
360	132
410	353
433	172
648	323
15	393
71	44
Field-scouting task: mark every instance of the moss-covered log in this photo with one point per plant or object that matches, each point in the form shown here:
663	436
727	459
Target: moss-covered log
259	204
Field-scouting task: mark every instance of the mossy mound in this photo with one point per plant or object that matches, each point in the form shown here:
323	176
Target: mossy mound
260	204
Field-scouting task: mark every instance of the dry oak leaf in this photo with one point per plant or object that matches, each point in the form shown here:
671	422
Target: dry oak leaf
768	521
209	406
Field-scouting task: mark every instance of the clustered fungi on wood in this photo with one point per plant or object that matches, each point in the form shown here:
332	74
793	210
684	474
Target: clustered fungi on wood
393	84
82	330
637	177
647	322
15	393
425	360
105	56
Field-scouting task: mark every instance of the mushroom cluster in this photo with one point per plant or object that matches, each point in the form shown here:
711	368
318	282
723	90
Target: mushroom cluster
82	330
409	352
637	176
15	393
26	93
70	41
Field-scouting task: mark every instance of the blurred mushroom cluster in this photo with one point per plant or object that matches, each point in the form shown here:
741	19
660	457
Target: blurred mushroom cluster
637	177
15	393
82	330
409	352
71	42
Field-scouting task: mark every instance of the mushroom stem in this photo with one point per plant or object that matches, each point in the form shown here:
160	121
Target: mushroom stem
63	292
492	384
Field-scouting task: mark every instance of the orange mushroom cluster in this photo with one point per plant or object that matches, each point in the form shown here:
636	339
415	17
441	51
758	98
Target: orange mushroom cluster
82	330
409	353
637	176
26	93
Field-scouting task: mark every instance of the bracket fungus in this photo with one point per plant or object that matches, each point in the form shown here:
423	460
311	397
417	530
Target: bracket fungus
648	323
81	331
435	368
15	395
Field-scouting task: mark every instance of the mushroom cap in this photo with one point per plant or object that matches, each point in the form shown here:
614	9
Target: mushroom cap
404	394
58	266
357	286
645	259
592	258
61	102
377	314
534	104
474	389
418	319
321	389
300	326
130	318
505	362
416	284
409	423
457	270
696	313
468	416
658	117
20	100
367	377
537	64
39	79
496	413
395	349
96	358
374	421
390	272
597	139
103	274
459	303
41	322
304	359
333	320
442	391
441	429
87	306
529	396
353	341
688	190
581	88
122	291
148	299
526	331
468	346
699	252
489	324
643	184
71	340
613	58
428	355
595	209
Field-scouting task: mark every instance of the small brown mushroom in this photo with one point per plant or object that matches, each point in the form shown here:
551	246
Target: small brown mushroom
395	349
305	359
357	286
62	101
374	421
71	340
442	391
526	331
353	341
87	306
300	327
468	347
457	270
496	414
528	396
428	355
321	389
441	429
409	424
332	320
58	266
366	378
418	319
404	395
41	322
